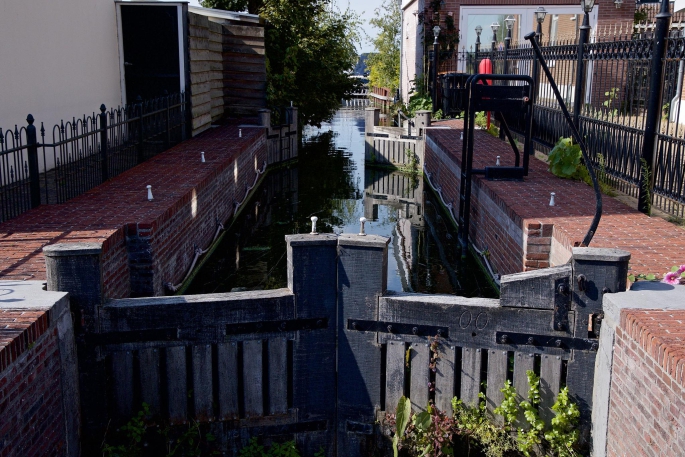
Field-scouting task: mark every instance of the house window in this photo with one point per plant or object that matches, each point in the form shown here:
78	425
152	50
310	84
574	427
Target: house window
471	16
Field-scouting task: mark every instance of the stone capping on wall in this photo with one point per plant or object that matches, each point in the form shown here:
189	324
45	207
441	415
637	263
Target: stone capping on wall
650	314
26	313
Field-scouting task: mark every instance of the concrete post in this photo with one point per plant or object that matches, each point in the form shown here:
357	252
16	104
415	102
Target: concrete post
265	118
76	268
423	120
312	278
643	295
293	131
372	117
596	272
362	279
292	115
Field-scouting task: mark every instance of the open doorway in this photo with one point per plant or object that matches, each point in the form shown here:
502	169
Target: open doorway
151	50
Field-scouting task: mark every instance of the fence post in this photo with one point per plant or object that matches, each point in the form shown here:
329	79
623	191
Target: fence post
32	151
435	74
141	151
656	86
166	119
103	143
580	70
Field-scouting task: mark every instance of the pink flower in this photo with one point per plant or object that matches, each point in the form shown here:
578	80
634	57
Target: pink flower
672	278
681	269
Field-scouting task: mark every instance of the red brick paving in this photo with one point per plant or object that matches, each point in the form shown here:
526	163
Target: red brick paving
101	214
655	244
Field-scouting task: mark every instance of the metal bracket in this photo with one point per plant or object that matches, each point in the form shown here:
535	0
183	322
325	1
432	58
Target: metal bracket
562	304
548	341
397	328
359	428
133	336
292	325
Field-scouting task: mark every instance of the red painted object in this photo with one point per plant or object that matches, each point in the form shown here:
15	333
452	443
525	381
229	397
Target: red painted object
485	67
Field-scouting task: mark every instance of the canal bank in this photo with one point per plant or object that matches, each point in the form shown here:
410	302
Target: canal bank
331	181
149	243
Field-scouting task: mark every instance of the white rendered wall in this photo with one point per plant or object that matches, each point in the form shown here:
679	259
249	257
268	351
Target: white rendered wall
58	59
411	64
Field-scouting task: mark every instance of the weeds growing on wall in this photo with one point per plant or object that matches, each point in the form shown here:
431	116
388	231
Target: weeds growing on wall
469	430
565	160
141	437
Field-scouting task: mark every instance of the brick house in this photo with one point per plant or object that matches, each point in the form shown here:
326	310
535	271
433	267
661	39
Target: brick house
562	22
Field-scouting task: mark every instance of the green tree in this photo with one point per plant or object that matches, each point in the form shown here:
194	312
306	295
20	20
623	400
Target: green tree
310	49
384	64
252	6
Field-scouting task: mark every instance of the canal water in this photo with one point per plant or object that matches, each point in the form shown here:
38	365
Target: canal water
330	181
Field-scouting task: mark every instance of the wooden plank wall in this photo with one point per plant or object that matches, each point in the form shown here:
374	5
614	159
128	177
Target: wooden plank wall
178	381
244	70
185	364
227	70
470	362
206	86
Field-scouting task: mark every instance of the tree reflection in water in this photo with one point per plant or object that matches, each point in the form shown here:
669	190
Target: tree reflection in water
329	181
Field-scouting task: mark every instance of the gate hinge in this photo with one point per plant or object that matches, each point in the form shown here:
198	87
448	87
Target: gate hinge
547	341
291	325
562	304
397	328
359	427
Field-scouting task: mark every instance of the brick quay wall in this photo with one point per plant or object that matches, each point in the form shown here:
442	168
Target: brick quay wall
38	378
513	222
145	243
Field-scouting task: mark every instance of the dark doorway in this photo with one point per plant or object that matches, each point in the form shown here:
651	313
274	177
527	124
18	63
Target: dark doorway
151	54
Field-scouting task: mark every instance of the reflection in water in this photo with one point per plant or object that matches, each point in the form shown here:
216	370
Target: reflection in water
329	181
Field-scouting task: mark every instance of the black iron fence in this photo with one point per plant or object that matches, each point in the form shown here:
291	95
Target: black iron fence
38	167
613	111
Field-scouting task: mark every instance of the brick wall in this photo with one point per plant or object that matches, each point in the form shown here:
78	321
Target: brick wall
493	226
37	416
161	250
647	399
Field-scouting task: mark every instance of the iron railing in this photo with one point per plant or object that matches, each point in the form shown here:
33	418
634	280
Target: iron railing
83	153
613	111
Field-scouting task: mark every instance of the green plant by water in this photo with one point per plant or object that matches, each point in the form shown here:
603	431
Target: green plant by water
140	437
437	433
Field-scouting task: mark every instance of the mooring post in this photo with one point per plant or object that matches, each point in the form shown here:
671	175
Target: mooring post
312	264
595	272
372	117
362	279
76	268
423	120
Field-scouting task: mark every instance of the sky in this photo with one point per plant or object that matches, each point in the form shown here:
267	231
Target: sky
364	8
